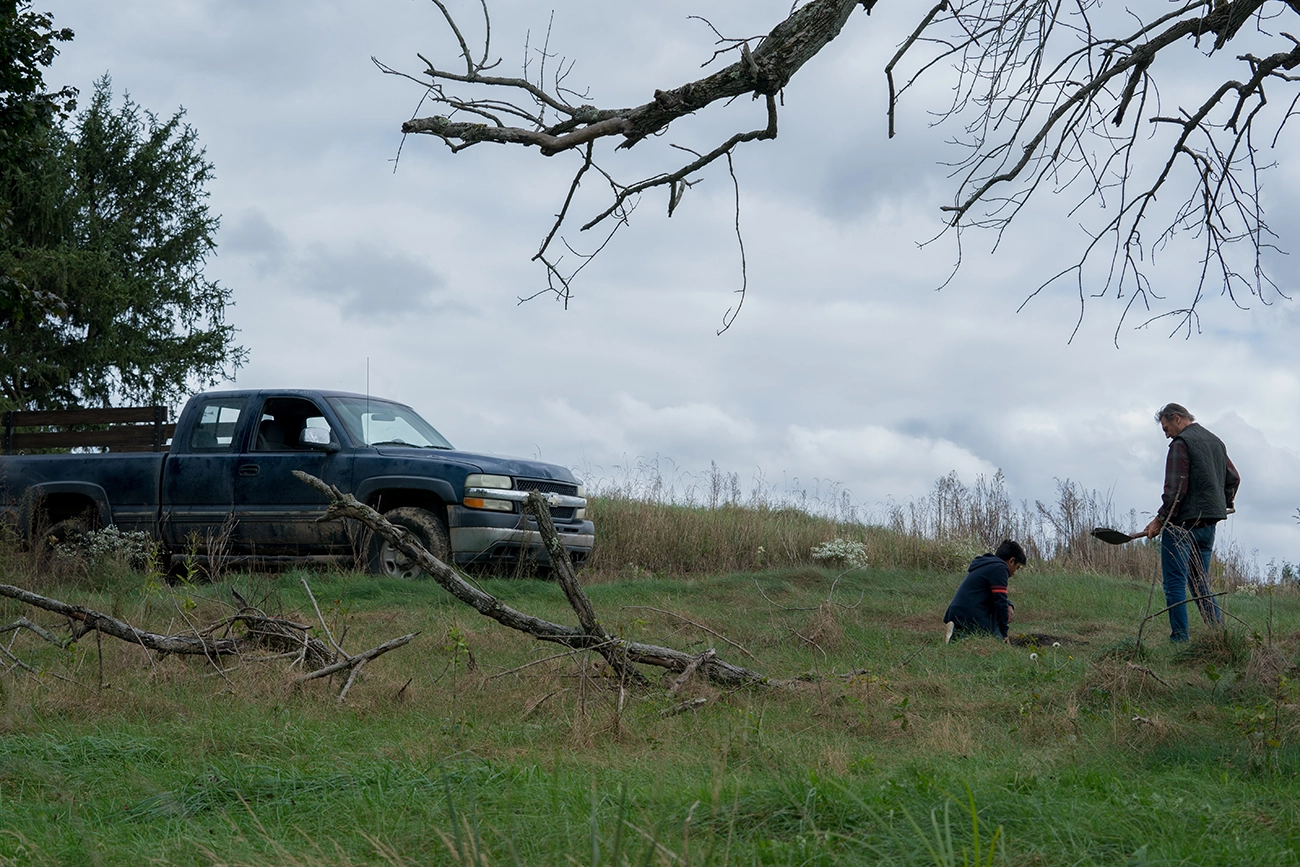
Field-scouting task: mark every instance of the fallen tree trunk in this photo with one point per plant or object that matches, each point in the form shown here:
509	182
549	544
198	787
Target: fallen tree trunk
589	636
92	621
261	633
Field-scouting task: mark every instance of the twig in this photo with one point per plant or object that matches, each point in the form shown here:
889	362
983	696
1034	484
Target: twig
913	654
321	617
682	678
24	623
540	661
1148	672
807	640
712	632
354	661
356	669
684	707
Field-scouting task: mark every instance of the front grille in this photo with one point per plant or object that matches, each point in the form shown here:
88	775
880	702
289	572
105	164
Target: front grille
546	487
561	513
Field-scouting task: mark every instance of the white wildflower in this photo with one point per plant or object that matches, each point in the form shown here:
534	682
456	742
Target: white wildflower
841	551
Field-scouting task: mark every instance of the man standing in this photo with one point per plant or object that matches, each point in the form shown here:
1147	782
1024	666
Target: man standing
1200	487
981	603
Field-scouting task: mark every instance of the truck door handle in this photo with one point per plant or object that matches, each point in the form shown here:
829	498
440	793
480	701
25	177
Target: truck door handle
249	469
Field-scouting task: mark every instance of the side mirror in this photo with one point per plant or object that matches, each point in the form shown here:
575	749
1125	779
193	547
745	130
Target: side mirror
318	439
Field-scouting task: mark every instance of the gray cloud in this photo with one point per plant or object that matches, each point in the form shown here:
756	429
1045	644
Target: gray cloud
369	282
365	280
845	364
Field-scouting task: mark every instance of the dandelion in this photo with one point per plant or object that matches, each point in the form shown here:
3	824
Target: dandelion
1033	656
1056	644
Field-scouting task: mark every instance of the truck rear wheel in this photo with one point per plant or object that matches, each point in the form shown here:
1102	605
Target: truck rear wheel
384	558
70	529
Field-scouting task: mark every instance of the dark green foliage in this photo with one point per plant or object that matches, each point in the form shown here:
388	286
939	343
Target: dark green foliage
102	291
27	109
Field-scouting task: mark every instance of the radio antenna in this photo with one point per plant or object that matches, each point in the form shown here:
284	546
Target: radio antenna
365	428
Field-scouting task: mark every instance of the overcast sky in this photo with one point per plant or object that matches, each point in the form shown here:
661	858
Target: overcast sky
845	370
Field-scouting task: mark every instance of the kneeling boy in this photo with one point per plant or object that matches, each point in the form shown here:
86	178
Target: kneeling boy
981	603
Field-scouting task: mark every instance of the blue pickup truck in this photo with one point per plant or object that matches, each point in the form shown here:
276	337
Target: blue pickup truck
223	486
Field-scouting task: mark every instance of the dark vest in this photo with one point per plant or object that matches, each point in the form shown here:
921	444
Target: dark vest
1205	499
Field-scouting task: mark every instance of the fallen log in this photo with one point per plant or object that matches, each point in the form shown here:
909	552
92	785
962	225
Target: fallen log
589	636
95	621
260	631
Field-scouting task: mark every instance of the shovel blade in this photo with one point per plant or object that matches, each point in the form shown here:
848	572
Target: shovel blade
1113	537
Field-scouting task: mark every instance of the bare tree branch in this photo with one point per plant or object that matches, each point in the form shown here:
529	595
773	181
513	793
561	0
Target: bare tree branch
590	636
260	631
1047	95
1046	100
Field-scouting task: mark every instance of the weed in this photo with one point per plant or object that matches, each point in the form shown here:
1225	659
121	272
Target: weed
1229	648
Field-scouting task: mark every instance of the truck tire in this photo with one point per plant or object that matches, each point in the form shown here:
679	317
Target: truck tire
384	559
70	529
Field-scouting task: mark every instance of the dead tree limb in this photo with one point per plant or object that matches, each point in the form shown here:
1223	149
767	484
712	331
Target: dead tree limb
24	623
681	679
532	110
353	664
701	626
1042	98
99	622
346	506
578	601
693	704
263	632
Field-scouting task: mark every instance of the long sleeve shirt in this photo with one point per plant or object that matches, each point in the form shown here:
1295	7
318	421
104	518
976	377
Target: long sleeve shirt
981	601
1178	466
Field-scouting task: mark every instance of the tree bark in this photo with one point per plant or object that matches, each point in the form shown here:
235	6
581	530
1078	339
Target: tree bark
346	506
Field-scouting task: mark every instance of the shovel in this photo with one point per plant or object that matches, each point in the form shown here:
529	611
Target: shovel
1115	537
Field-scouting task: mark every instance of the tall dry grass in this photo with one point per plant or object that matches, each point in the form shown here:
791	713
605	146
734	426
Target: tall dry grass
679	524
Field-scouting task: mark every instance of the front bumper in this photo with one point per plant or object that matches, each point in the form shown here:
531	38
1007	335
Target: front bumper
483	538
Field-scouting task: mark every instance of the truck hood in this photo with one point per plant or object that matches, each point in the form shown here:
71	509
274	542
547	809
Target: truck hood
494	464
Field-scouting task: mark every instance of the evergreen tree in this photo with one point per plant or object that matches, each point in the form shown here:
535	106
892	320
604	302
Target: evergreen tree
104	233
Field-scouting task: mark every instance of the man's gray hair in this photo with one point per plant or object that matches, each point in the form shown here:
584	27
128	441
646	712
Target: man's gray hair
1170	410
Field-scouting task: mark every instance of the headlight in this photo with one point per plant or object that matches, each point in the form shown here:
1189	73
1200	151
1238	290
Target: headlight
483	480
581	514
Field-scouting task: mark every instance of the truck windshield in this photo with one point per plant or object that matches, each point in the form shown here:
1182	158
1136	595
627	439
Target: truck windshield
379	422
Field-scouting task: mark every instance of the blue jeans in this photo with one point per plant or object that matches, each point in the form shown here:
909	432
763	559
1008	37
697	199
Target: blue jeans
1185	562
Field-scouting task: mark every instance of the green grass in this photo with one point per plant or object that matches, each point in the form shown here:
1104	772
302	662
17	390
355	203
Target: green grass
873	751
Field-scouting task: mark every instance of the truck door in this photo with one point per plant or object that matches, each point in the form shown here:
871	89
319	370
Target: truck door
198	491
276	513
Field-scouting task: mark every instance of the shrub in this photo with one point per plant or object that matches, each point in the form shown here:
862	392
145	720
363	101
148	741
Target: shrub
839	551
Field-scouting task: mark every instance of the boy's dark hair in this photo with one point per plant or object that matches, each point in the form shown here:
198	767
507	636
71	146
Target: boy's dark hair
1009	550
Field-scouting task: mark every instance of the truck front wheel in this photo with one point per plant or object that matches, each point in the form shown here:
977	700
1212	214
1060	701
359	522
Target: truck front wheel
384	558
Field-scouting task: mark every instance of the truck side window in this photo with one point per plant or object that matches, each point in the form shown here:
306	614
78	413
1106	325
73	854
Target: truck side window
215	430
282	423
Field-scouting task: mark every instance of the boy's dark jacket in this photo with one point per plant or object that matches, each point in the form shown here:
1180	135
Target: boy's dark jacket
981	600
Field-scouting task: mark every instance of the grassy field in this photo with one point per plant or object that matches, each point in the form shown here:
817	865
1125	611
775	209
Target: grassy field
875	743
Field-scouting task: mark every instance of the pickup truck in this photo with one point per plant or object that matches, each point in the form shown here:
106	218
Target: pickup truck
222	487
